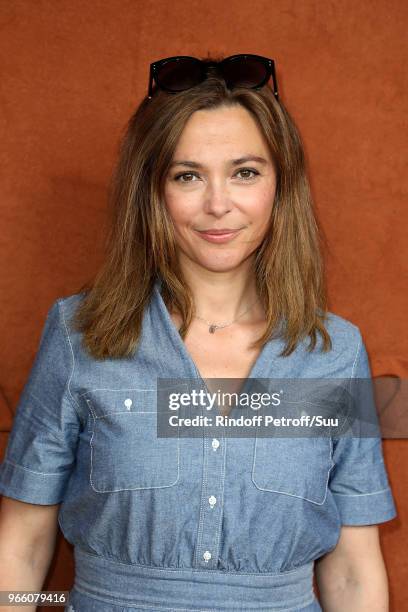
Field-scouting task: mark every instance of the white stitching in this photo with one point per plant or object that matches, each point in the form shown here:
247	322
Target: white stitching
128	412
217	539
360	343
68	384
350	382
142	389
362	494
203	488
21	467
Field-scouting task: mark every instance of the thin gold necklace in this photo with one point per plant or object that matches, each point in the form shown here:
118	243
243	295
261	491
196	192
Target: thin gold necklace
212	327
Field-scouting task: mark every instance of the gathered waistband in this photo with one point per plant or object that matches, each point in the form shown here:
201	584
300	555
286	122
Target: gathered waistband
190	589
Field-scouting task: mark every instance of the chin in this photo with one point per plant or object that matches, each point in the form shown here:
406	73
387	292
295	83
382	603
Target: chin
223	261
219	266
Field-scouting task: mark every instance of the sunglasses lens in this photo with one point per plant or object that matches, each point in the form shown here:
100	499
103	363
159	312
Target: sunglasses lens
177	75
245	72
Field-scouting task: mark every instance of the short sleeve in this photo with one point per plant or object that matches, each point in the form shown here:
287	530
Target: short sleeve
41	448
359	481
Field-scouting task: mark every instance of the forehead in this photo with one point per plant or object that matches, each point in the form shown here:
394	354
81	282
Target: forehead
231	130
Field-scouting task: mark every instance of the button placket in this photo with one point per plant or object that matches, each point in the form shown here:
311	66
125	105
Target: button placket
211	502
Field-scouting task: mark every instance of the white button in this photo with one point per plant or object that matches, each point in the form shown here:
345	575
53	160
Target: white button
128	402
215	443
207	556
212	500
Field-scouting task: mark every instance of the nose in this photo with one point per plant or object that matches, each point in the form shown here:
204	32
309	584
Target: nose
217	199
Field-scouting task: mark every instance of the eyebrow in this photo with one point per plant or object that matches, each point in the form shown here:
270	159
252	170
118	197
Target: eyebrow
234	162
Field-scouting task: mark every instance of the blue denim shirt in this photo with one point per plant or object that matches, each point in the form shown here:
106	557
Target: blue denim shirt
210	523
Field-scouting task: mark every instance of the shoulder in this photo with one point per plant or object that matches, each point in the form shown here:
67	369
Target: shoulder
58	325
339	361
342	331
66	306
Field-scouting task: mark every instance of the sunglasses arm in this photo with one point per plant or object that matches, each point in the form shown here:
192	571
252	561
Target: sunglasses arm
150	82
275	83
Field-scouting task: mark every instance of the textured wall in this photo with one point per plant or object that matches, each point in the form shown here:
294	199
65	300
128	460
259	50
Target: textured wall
71	74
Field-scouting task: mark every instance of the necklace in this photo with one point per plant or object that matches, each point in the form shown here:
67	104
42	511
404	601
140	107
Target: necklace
212	327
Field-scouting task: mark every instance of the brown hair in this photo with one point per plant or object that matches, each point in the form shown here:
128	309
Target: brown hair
140	242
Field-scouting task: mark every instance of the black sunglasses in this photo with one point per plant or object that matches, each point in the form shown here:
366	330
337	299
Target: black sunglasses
181	72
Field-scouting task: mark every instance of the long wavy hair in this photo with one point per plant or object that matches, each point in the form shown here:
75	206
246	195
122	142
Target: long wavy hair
140	242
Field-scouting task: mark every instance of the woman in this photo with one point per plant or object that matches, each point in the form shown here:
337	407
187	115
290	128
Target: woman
212	271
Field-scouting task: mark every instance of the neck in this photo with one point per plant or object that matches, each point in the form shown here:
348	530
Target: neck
223	296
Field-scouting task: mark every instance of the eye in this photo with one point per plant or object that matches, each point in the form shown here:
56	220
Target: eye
254	172
179	176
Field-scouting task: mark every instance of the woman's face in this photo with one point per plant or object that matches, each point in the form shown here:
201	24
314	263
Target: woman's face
215	183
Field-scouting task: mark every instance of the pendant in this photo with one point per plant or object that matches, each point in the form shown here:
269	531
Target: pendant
212	329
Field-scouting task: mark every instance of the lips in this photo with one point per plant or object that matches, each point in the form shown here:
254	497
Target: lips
218	236
217	232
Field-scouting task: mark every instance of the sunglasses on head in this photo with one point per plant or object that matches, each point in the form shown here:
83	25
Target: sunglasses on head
181	72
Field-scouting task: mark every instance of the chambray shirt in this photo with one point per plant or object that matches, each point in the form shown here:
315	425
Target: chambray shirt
185	523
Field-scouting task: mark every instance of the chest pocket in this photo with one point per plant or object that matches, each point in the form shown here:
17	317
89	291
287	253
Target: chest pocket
126	453
298	467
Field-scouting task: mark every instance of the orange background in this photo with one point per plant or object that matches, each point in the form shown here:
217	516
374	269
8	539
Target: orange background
72	73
